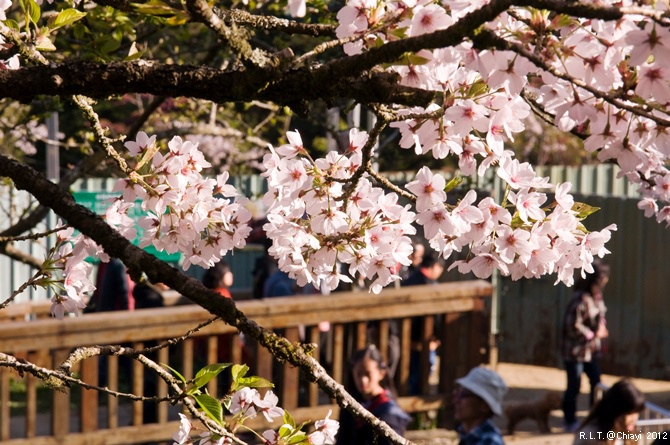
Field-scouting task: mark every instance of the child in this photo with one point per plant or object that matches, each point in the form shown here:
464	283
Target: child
219	278
371	388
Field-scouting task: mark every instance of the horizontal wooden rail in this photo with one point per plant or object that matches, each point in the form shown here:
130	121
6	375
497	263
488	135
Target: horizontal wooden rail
141	325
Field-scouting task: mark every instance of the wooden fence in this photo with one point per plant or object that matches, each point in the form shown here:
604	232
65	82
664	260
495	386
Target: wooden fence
79	416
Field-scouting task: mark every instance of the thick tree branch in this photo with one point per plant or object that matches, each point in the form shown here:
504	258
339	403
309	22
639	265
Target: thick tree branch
93	226
342	78
103	80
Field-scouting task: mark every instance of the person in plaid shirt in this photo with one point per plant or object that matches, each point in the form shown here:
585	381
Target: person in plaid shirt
584	329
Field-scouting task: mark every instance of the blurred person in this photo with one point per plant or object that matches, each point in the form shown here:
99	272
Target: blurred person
219	278
115	288
612	419
477	398
428	273
148	295
583	332
279	284
418	251
115	294
369	384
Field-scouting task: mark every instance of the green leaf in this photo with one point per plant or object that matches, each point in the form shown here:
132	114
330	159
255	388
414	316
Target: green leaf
288	419
175	372
584	210
211	407
208	373
65	18
178	19
44	44
13	24
238	371
477	89
154	7
285	431
299	437
455	182
33	11
107	44
255	382
562	21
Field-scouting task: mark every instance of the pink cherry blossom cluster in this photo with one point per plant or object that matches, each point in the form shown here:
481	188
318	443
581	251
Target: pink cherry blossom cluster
318	216
186	212
69	259
531	242
591	76
244	405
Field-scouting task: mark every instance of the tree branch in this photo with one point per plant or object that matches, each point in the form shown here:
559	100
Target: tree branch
200	11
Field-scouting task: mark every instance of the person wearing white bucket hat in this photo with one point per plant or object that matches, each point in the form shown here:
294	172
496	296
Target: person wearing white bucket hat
477	398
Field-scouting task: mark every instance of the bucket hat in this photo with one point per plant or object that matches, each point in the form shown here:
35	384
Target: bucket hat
486	384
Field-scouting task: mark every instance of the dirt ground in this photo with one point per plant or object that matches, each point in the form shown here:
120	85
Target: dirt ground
529	382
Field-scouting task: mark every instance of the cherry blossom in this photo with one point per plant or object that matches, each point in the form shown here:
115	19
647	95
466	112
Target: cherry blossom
297	8
183	435
511	243
651	40
141	144
653	84
325	431
243	402
268	405
363	228
271	437
208	438
183	211
428	19
428	188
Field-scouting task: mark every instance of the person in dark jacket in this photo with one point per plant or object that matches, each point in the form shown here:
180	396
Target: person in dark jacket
428	273
370	385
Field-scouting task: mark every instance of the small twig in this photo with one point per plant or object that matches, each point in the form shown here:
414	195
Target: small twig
92	117
58	379
21	288
32	236
174	341
323	47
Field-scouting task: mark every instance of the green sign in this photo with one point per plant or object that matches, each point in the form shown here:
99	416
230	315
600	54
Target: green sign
98	202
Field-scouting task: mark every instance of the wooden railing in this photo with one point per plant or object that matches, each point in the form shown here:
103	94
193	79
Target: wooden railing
78	416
